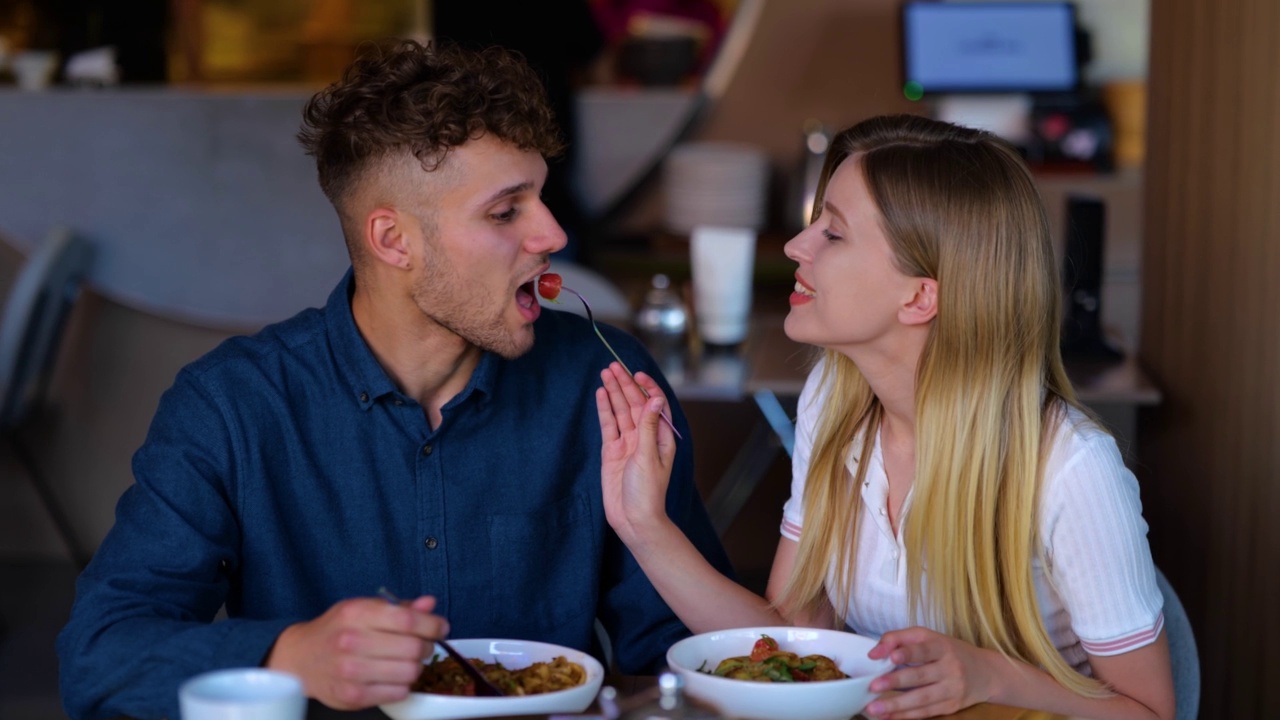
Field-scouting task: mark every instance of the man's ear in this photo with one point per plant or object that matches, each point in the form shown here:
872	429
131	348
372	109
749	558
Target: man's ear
386	239
923	305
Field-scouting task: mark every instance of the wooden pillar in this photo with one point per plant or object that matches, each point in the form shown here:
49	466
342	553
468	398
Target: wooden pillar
1210	455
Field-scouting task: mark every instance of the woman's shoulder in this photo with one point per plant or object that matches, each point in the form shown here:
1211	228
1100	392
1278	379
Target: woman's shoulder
1079	437
1085	467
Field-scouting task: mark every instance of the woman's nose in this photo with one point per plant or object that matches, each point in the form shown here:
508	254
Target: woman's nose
796	248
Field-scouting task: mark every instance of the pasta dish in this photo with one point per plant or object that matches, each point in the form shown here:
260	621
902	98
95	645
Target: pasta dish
444	676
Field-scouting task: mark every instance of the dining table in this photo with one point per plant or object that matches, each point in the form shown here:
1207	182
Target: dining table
633	688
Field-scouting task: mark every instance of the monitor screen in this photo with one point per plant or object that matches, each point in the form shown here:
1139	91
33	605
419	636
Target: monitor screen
968	47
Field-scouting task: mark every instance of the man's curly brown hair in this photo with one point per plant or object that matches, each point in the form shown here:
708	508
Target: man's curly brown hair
424	99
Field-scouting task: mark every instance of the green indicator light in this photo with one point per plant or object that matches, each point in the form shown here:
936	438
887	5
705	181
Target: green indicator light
913	90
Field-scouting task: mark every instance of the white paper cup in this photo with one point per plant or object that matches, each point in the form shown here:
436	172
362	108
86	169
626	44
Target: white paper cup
722	260
34	68
242	694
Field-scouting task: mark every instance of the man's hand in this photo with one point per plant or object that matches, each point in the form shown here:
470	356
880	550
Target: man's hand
362	652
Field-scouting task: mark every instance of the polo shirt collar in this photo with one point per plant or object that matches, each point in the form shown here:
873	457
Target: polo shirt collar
367	380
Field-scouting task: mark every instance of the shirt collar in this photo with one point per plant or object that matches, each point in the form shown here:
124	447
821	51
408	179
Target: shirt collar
366	378
875	486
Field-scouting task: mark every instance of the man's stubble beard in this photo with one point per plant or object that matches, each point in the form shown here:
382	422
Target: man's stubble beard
438	294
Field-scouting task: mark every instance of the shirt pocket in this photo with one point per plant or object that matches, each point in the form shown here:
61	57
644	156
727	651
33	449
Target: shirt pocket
544	566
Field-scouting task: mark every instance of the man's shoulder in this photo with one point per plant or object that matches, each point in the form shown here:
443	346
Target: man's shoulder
263	349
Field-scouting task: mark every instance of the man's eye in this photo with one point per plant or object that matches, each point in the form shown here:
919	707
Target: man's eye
505	216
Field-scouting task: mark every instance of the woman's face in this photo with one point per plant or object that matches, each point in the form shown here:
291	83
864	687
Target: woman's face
849	291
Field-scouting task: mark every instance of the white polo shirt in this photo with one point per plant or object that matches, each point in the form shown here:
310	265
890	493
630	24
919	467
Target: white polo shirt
1096	584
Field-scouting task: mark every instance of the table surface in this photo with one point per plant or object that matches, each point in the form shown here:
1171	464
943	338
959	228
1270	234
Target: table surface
635	689
769	360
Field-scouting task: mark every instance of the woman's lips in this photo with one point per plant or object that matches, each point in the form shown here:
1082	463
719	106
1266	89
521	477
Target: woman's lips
800	298
802	293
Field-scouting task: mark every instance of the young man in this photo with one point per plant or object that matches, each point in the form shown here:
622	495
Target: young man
410	434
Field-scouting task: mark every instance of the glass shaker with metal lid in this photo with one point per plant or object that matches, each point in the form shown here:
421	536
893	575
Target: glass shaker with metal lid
662	316
661	323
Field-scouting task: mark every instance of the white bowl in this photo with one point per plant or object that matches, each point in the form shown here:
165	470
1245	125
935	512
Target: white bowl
822	700
514	655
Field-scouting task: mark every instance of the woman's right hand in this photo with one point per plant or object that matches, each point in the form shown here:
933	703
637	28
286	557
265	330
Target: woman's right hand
637	452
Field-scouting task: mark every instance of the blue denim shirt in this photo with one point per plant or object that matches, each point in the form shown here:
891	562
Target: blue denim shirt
284	472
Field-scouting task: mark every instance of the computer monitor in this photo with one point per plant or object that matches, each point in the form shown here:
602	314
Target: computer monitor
989	47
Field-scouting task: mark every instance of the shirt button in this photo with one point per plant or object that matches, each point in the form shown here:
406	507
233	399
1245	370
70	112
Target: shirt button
364	397
431	543
399	402
426	449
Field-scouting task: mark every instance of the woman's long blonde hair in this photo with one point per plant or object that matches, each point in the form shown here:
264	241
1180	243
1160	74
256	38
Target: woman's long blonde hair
959	206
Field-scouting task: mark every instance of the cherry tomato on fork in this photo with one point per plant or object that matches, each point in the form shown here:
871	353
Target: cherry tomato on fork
549	285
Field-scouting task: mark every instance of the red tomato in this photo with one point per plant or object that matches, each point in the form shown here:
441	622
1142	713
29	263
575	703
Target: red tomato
549	285
764	647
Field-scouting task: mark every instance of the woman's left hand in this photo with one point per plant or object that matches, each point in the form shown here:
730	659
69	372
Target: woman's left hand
637	452
937	674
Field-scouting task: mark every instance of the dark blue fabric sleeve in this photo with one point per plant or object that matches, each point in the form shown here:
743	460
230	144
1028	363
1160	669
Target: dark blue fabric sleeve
640	623
142	621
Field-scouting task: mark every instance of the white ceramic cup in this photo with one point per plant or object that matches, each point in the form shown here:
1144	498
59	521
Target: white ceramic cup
722	261
242	694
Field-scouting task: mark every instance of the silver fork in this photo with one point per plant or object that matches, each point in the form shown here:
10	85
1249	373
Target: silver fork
483	686
613	352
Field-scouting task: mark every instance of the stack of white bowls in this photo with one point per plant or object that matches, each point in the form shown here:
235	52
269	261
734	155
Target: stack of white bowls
715	183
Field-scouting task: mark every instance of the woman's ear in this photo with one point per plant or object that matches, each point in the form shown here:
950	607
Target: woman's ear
923	305
386	239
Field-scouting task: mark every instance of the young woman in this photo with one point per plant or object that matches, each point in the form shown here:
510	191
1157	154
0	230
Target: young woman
950	495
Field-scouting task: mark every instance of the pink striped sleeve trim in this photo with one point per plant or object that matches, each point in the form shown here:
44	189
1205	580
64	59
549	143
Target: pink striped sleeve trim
790	530
1126	643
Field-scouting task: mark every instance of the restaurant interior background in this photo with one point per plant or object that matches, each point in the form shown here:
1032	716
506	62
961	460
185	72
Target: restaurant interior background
1189	284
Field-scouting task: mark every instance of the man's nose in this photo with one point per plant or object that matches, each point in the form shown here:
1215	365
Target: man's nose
547	237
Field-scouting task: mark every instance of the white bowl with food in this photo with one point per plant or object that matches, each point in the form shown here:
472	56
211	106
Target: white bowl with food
791	683
548	686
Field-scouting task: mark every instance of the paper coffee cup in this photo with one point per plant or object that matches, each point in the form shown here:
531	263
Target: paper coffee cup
722	262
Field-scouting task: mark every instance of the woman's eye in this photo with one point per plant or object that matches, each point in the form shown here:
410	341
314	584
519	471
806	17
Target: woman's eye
826	233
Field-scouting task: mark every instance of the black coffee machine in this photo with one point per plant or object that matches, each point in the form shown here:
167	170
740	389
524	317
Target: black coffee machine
1083	339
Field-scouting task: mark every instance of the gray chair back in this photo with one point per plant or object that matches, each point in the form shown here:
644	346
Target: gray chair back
31	328
1182	651
32	323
